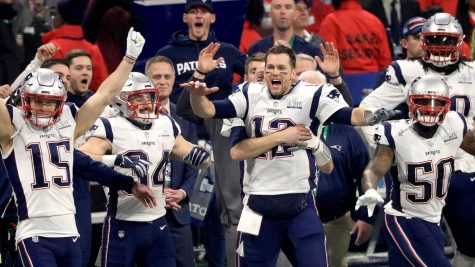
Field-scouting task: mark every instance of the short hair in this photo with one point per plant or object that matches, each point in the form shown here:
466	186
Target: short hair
157	59
256	57
308	58
74	54
282	49
51	62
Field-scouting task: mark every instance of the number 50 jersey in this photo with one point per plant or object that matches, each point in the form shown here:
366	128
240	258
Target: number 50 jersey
153	145
424	165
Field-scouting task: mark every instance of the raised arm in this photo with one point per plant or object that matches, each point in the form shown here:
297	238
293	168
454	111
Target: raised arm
111	87
7	130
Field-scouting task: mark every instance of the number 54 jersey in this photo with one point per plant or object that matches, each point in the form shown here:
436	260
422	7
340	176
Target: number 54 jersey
424	165
153	145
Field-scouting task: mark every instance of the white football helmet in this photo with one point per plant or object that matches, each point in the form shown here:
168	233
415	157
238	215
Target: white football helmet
138	99
428	100
42	96
442	38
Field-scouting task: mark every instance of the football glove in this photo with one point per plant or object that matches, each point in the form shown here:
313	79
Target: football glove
369	199
136	164
375	116
197	156
135	43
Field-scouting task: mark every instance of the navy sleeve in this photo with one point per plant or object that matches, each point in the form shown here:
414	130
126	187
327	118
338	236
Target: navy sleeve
342	116
224	109
95	171
343	89
238	134
10	112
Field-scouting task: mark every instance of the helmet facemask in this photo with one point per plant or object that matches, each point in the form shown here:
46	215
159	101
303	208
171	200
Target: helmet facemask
427	109
441	48
42	110
142	105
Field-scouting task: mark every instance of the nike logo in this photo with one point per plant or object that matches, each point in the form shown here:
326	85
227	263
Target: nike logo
163	227
472	179
75	239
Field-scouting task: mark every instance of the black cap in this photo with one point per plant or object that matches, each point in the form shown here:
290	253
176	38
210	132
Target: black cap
208	4
72	11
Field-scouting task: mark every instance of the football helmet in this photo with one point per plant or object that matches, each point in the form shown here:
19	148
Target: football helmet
428	100
442	38
138	99
42	96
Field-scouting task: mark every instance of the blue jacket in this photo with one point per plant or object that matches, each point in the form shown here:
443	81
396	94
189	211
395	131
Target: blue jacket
184	52
183	175
299	46
336	191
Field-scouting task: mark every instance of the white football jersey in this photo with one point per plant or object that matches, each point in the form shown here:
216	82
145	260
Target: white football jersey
280	171
153	145
39	166
424	165
395	90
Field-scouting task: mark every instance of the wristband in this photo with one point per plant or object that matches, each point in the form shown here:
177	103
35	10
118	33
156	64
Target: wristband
108	160
333	77
129	59
200	72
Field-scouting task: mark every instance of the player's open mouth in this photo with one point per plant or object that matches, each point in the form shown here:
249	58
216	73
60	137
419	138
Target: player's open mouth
199	25
84	81
276	82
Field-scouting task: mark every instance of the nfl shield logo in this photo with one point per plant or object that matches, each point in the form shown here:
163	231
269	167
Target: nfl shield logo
121	233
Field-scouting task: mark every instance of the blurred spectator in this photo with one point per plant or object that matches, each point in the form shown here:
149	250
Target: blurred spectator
411	37
466	17
68	35
393	14
9	64
302	20
282	13
254	15
106	24
303	63
447	6
320	9
359	37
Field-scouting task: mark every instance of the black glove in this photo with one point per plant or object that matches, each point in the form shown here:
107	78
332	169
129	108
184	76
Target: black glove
136	164
197	155
375	116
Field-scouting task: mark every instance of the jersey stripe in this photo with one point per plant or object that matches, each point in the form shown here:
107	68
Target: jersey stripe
387	133
398	72
108	129
11	166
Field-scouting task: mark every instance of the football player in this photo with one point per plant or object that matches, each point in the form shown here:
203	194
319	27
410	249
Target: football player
442	38
424	149
41	136
140	131
276	177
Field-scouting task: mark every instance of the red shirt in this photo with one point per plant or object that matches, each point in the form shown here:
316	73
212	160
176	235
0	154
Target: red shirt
70	37
449	6
248	37
359	36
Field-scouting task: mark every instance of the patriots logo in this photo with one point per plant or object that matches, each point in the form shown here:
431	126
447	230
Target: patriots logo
334	94
377	138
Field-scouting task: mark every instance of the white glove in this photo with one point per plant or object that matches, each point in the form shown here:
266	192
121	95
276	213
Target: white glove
369	199
312	144
135	43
